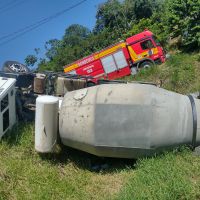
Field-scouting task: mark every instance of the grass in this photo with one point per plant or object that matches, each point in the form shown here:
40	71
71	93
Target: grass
181	73
174	175
67	174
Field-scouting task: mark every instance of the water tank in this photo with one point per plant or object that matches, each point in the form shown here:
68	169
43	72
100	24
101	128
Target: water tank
46	123
128	120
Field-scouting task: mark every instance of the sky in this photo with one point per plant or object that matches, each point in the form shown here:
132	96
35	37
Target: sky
18	14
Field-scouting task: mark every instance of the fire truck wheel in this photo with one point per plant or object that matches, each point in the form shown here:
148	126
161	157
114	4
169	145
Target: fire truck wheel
15	67
146	64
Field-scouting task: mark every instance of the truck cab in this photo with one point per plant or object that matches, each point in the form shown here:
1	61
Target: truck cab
145	48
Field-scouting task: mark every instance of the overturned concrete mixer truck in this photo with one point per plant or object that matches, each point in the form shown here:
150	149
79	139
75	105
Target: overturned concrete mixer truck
100	120
19	88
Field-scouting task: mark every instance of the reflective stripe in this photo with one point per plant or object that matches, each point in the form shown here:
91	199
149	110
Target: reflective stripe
110	50
70	68
97	56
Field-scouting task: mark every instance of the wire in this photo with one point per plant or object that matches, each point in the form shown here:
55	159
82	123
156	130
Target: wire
6	8
23	29
39	23
6	5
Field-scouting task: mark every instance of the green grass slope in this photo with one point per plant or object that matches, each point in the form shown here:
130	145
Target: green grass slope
181	73
66	174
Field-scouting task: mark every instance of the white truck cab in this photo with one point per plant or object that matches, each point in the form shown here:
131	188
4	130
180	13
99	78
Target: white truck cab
7	104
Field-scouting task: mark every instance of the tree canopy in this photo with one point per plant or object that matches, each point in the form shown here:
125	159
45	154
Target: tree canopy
30	60
183	19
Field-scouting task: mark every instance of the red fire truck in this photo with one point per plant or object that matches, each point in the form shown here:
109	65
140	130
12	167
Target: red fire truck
139	51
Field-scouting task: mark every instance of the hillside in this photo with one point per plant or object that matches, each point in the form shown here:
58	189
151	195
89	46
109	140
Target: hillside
181	73
67	174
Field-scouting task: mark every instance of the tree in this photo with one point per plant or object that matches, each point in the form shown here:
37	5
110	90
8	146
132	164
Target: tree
182	19
146	8
77	30
30	60
154	24
109	16
74	34
51	47
37	50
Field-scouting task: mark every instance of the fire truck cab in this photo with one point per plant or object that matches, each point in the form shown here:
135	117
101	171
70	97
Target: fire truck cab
139	51
145	47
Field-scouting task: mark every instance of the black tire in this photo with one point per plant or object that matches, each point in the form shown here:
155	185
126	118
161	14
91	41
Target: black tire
15	67
146	65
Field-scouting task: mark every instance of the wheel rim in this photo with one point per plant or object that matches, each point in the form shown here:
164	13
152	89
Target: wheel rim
18	68
147	66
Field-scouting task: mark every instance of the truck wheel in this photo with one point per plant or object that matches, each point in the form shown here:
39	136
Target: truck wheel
15	67
146	65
